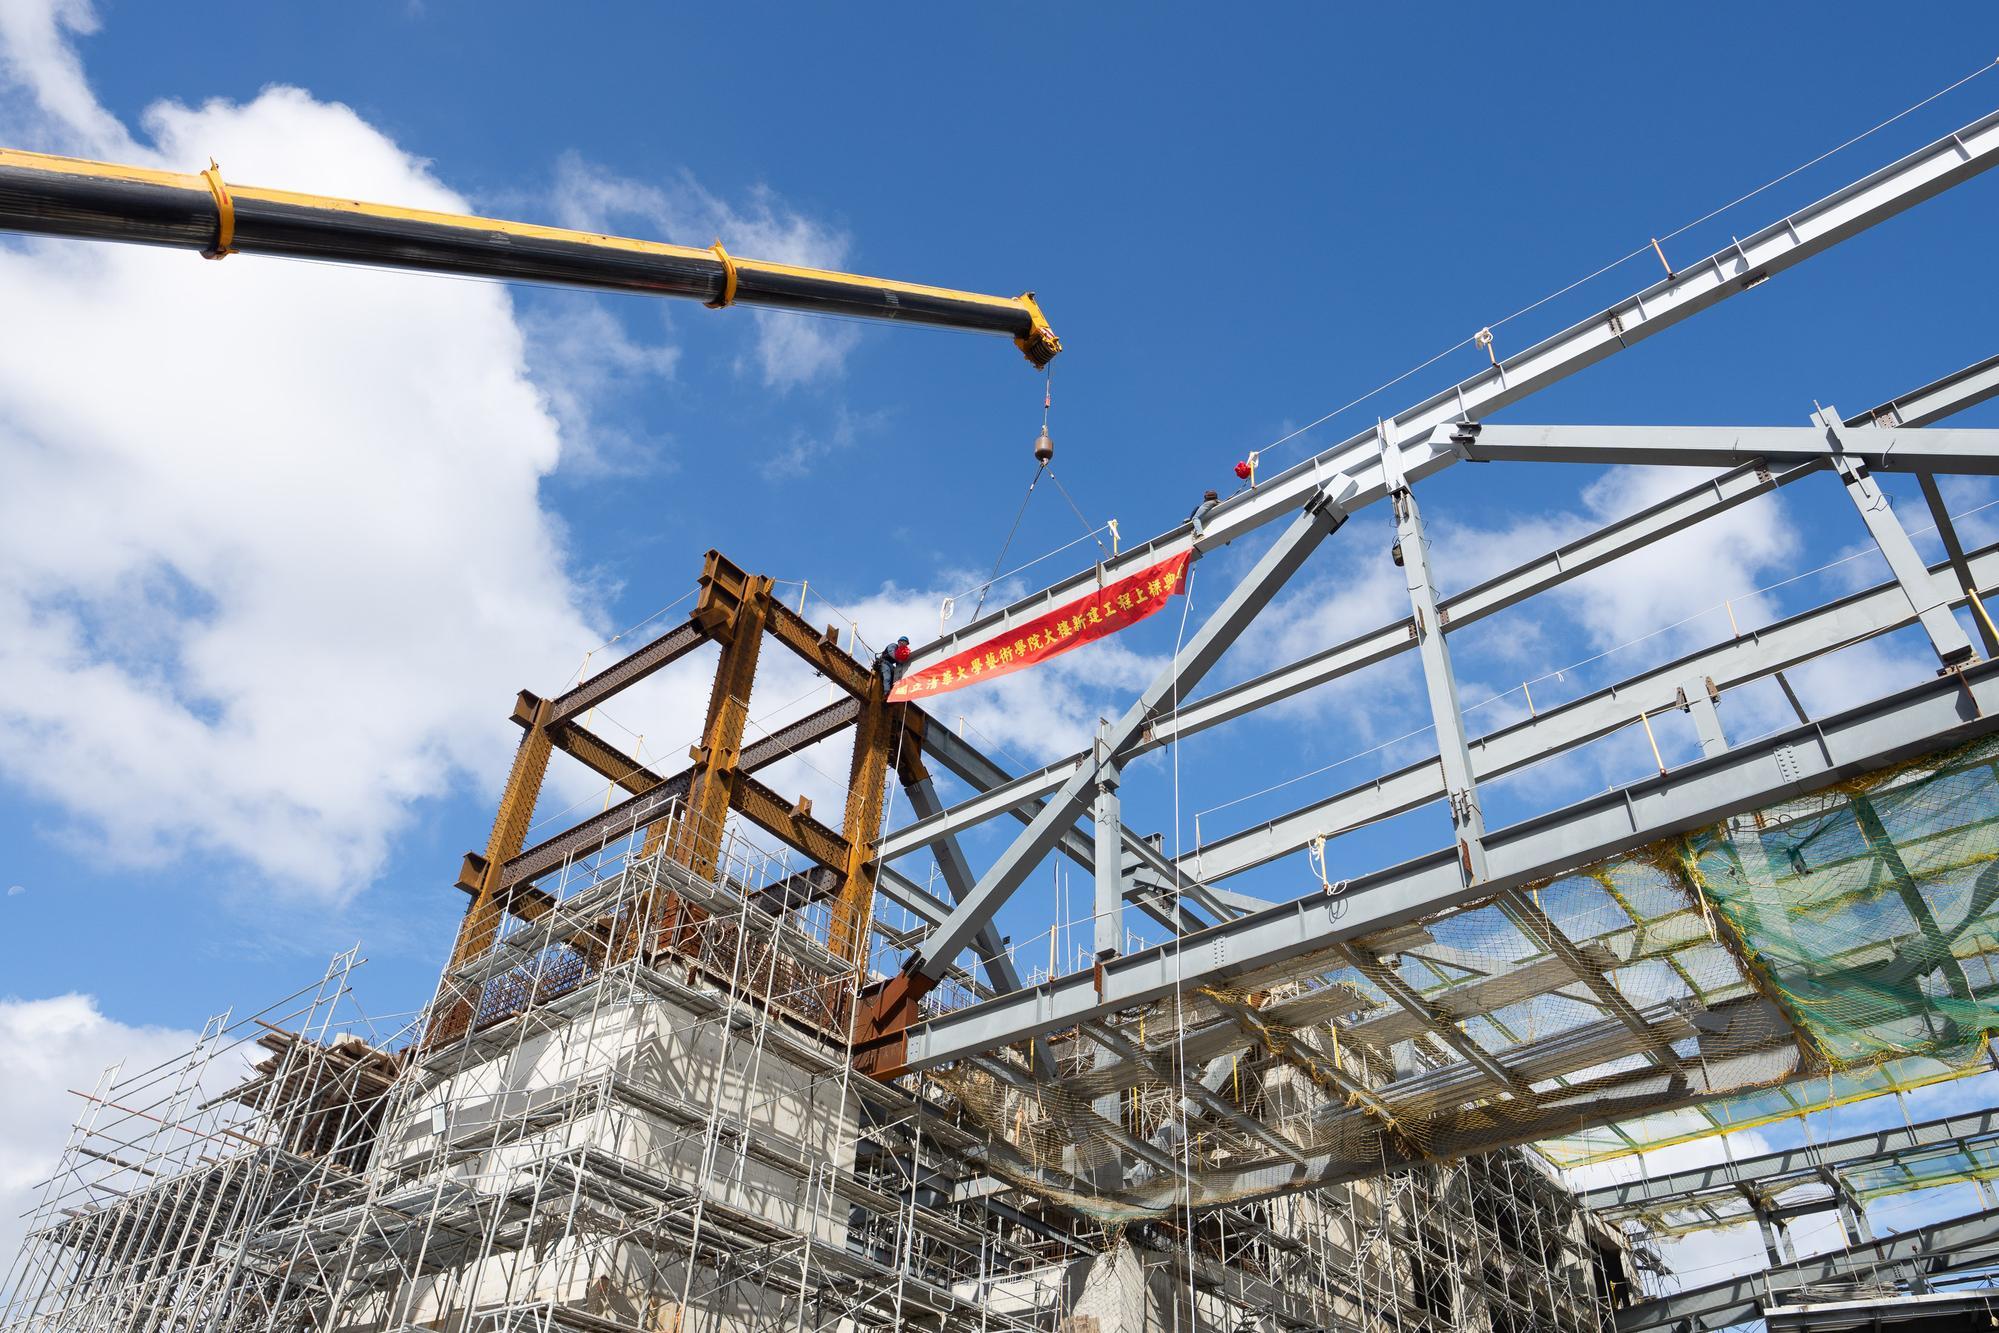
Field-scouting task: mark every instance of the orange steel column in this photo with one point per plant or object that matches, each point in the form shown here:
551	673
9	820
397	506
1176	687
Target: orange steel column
731	608
875	733
481	925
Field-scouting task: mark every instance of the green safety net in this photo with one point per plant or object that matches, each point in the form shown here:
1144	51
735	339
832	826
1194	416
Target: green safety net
1868	912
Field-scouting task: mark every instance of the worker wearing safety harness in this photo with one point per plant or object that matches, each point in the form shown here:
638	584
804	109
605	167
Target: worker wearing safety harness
890	662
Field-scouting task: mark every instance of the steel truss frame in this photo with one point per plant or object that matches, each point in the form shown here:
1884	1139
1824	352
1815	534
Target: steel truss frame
1387	462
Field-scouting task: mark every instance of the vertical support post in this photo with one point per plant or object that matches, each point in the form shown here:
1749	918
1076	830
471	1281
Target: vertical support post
1460	788
1953	549
1853	1216
1776	1238
1108	919
1927	598
484	914
1701	698
875	732
731	609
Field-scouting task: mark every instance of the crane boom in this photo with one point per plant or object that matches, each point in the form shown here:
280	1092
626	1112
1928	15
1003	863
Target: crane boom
63	196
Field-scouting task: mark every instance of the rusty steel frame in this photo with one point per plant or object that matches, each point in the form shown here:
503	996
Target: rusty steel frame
685	812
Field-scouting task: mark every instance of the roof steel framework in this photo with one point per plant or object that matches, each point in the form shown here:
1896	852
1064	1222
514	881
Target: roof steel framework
1526	1084
1437	432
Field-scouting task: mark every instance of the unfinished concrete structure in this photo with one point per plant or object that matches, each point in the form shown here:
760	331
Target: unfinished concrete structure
706	1061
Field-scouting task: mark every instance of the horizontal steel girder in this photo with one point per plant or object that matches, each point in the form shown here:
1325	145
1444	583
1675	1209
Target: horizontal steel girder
1746	263
668	648
1932	715
1962	1242
1895	450
1769	1171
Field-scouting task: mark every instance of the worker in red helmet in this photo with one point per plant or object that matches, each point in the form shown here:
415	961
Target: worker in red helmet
891	660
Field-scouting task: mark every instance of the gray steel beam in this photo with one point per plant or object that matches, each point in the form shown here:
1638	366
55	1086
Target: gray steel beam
1745	263
959	879
1701	695
1954	552
1929	596
1437	1023
1898	450
988	944
1770	1171
1440	680
1962	1242
1931	715
1206	1098
1938	399
1314	524
1107	920
1758	653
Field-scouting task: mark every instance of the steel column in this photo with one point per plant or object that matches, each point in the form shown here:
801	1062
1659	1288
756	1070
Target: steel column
875	733
1701	698
1440	681
731	609
483	915
1928	596
1954	552
1107	920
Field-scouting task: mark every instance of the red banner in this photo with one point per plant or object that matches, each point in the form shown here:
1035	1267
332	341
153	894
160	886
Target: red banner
1092	616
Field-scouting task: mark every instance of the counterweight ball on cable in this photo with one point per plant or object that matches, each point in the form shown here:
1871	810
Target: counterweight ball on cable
1044	448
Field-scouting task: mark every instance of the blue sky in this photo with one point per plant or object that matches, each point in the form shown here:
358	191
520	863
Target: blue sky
1237	223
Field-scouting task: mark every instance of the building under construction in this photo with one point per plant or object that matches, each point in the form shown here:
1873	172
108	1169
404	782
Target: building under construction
711	1059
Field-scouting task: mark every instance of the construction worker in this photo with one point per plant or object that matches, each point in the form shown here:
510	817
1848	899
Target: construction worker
891	660
1200	515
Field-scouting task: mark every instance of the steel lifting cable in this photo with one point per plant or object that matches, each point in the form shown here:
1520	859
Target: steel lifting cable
1088	531
987	586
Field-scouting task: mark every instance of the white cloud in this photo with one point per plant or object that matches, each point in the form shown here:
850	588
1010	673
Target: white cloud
791	350
16	890
272	556
582	357
47	1048
44	91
